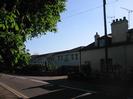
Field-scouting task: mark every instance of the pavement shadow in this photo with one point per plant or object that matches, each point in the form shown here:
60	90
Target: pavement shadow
65	93
49	87
76	84
106	90
58	92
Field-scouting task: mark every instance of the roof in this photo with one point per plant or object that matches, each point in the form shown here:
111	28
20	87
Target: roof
60	52
71	50
92	45
103	37
130	31
88	47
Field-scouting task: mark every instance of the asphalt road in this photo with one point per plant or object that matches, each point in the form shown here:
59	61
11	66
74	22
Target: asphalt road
60	87
29	87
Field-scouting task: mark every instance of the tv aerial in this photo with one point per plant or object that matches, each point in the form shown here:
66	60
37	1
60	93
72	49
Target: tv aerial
129	12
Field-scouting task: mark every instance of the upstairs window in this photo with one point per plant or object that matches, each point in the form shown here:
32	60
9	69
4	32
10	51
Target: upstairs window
72	56
76	56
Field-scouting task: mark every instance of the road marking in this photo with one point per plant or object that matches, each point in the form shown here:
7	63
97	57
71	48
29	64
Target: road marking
77	89
82	95
39	81
20	77
63	86
20	95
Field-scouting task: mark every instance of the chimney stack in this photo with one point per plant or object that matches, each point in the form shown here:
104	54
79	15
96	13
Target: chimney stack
96	39
119	29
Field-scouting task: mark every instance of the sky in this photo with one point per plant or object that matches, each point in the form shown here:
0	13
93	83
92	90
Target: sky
79	23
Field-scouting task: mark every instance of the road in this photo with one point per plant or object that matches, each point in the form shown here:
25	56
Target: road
60	87
37	88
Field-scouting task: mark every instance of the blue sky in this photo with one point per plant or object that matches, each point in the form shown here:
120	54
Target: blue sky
81	20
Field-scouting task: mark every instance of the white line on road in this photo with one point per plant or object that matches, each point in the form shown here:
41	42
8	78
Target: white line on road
21	77
20	95
91	92
77	89
39	81
82	95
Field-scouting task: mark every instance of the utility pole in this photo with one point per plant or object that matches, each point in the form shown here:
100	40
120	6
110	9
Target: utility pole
80	59
105	31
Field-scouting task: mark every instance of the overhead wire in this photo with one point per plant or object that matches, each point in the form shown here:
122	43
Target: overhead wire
88	10
82	12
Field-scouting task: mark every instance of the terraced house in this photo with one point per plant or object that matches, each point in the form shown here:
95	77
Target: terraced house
64	59
120	53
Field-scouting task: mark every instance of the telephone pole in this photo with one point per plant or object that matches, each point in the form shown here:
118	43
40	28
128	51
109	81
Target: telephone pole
105	31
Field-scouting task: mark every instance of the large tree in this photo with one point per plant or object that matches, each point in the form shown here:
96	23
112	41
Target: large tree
22	19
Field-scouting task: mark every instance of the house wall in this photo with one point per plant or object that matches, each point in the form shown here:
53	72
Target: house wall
93	57
130	57
57	60
41	60
123	56
120	55
67	59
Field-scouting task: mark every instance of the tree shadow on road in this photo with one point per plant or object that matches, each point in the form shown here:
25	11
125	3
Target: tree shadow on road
48	87
109	89
53	91
65	93
102	90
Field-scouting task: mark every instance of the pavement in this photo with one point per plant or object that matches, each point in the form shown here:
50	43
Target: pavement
6	94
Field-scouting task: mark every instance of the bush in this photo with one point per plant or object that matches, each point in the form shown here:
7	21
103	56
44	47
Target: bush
32	69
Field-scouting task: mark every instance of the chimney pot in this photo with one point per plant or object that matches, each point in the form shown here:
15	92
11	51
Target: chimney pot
124	18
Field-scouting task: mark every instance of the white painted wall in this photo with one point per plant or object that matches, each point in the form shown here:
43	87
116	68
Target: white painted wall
69	61
122	55
130	56
92	56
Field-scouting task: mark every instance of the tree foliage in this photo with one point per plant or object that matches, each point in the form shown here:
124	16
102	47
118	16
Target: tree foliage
22	19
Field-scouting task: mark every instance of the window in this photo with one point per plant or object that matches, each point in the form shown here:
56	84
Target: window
58	57
76	56
72	56
66	57
61	57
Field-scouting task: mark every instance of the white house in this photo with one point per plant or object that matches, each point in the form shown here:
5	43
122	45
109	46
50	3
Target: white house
68	58
120	50
120	53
